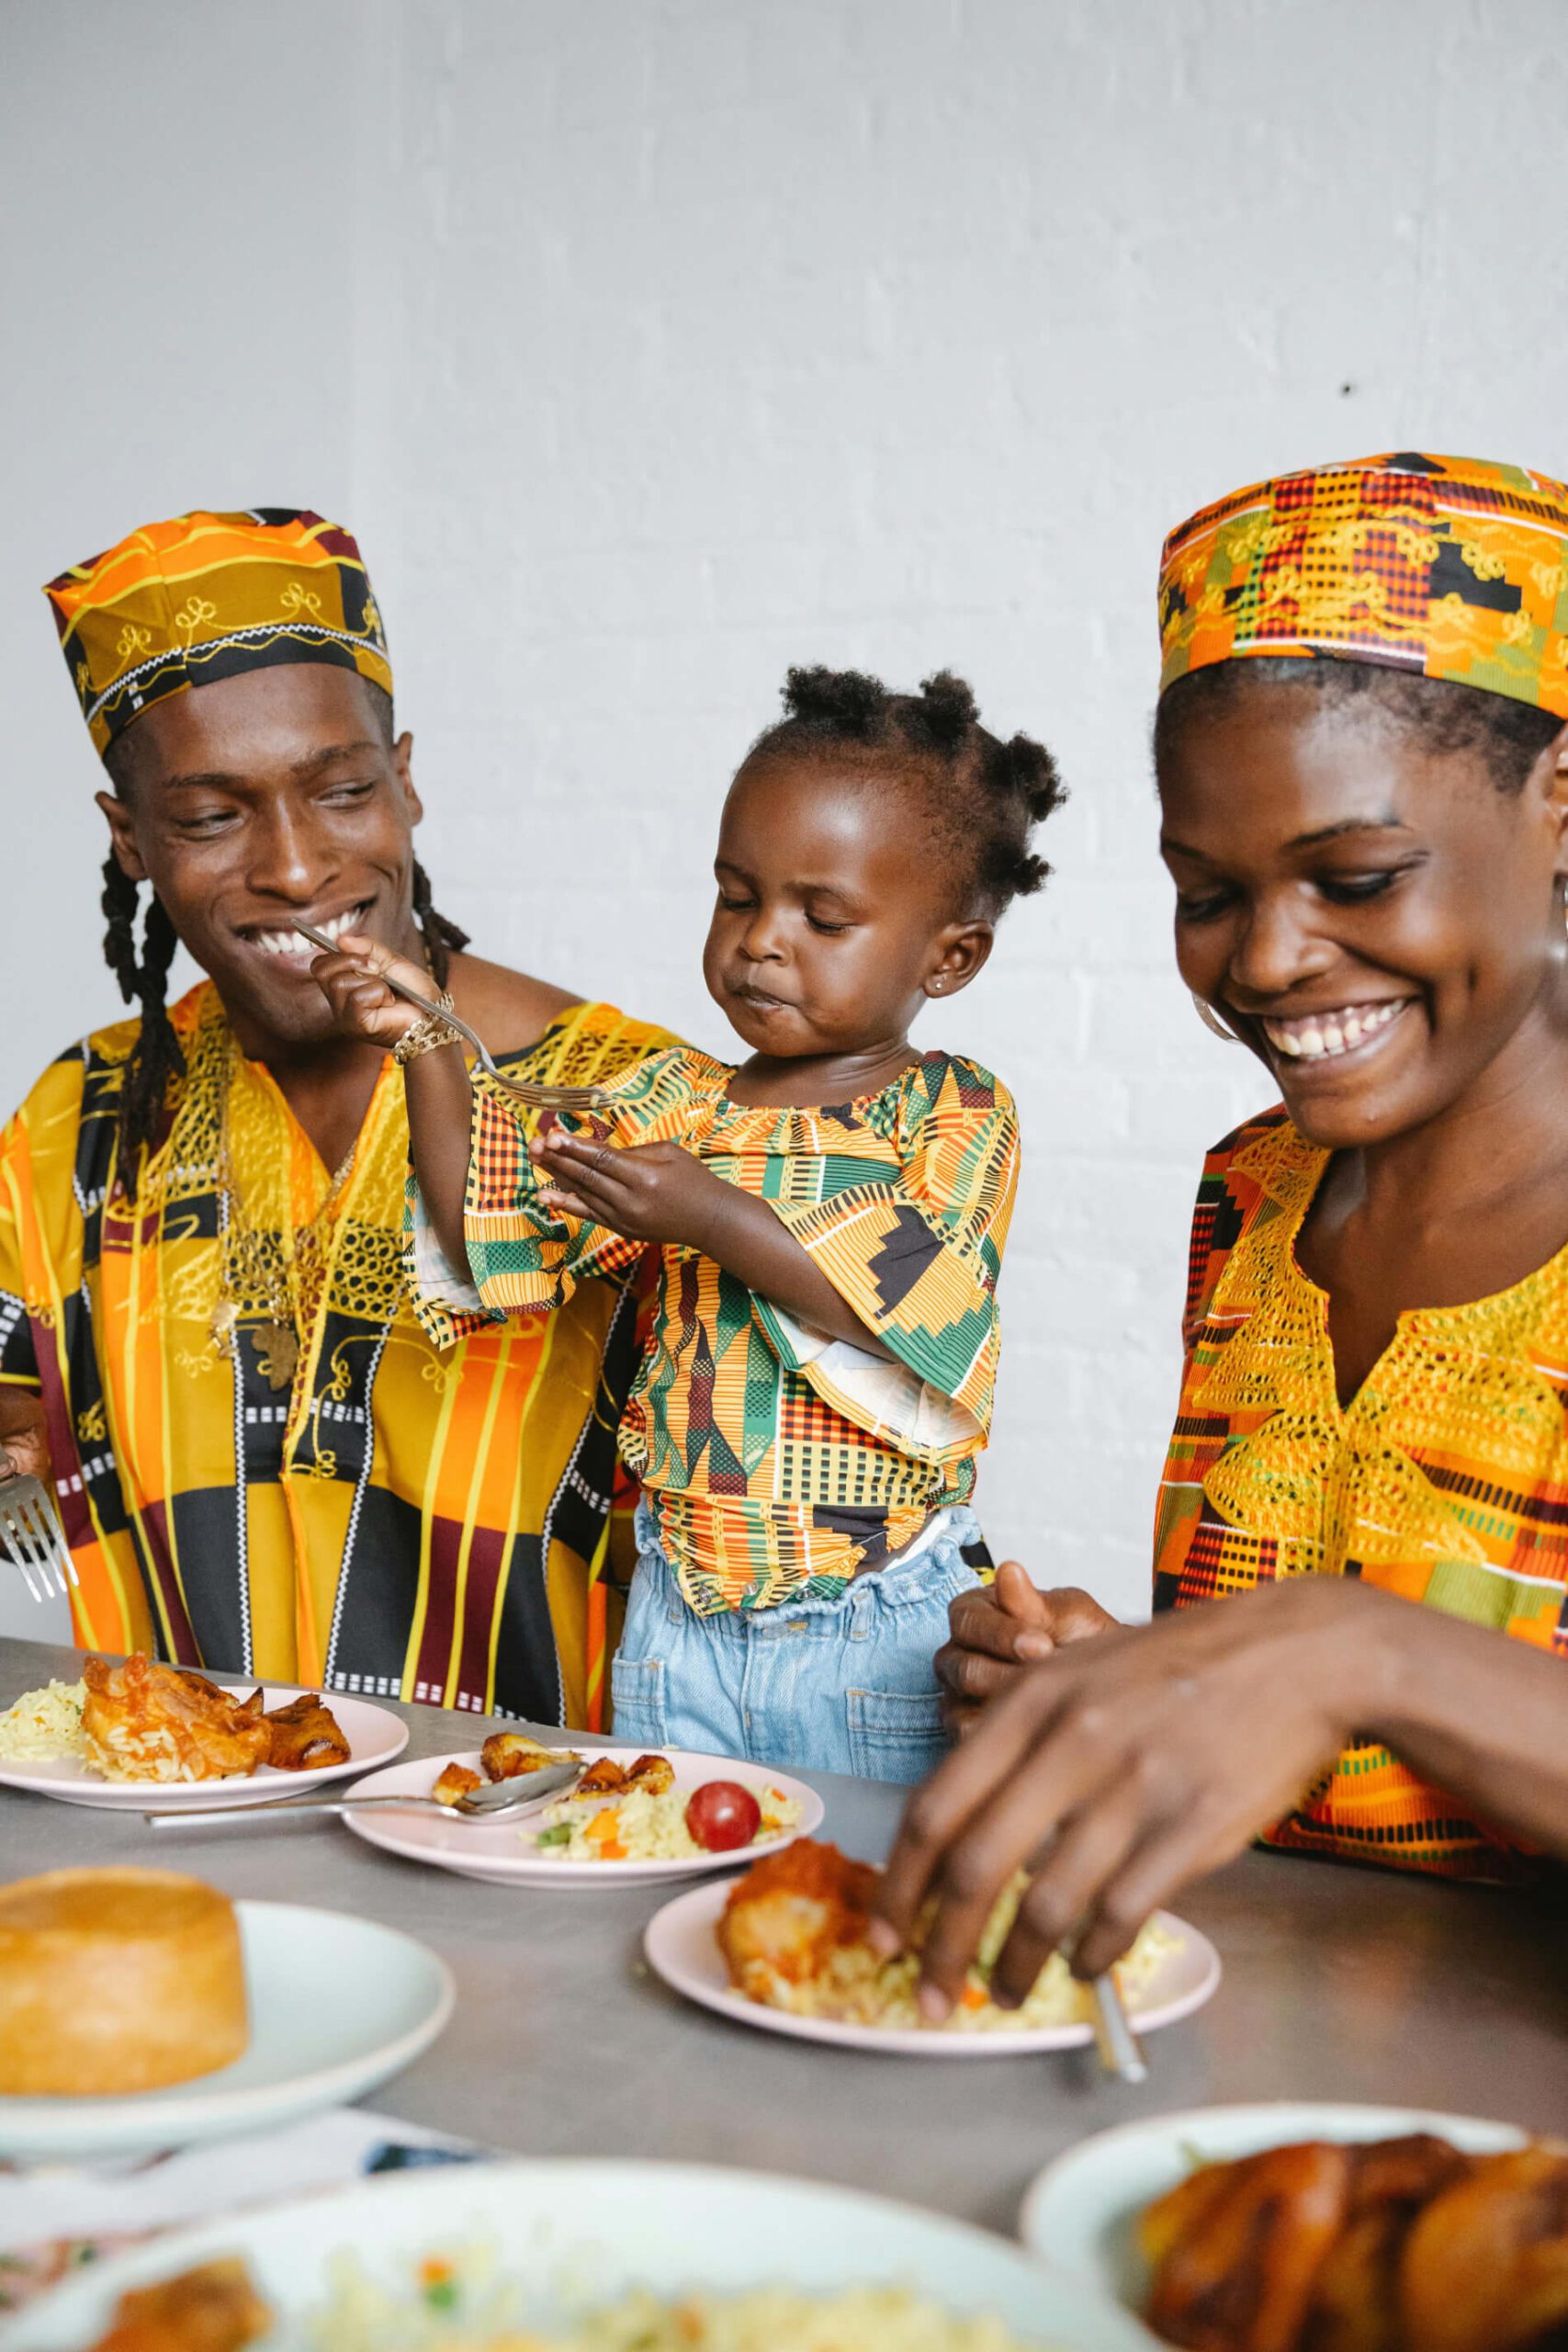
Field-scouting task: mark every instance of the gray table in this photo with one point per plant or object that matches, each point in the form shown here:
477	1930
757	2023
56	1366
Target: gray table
1340	1984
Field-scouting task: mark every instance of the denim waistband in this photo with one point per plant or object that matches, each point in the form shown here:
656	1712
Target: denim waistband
902	1584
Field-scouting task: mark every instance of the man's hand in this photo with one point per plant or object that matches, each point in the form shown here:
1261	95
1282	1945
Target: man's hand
648	1191
24	1435
353	983
1001	1629
1119	1769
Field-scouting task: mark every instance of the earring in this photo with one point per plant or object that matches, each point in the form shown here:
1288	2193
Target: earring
1211	1019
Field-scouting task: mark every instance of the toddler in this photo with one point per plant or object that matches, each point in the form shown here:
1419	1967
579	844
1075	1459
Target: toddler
830	1219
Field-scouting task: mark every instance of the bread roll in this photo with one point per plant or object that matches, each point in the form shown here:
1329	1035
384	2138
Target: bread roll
115	1981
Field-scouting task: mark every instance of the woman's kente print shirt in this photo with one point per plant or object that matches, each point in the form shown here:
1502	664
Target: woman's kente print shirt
1445	1479
361	1512
779	1460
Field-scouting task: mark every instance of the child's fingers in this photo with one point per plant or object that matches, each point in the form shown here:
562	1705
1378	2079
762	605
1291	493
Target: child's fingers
567	1204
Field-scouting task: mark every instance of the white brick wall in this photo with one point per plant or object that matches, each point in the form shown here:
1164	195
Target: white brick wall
652	345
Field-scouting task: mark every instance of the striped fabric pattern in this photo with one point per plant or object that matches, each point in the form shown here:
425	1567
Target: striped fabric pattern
396	1521
1444	1480
778	1461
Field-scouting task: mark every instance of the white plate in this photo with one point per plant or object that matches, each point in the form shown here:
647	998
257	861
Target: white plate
682	1947
505	1852
584	2231
337	2005
1079	2213
374	1736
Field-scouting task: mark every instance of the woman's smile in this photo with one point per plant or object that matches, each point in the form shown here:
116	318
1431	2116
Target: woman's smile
1336	1032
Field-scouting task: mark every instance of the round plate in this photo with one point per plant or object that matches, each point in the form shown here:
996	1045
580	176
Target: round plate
1079	2213
374	1736
337	2005
587	2230
682	1947
505	1852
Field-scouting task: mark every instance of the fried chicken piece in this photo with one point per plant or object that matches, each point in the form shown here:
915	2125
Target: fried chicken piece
790	1912
143	1721
306	1735
1239	2277
215	2309
604	1778
1355	2304
655	1775
507	1754
1485	2267
454	1781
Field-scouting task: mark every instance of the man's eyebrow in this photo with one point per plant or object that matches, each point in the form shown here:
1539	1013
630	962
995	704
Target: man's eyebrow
202	779
323	759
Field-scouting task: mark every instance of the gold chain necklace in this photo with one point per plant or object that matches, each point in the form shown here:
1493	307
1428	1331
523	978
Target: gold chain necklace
270	1281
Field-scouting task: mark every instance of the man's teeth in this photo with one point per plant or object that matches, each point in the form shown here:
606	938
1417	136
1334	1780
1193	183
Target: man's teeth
1319	1035
294	942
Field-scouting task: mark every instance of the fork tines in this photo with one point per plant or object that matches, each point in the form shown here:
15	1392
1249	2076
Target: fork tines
30	1536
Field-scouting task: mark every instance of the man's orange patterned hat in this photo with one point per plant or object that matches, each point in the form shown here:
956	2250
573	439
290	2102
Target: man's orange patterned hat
1449	567
204	596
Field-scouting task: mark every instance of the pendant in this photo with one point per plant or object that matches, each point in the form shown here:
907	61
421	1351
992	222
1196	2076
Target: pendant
277	1353
225	1315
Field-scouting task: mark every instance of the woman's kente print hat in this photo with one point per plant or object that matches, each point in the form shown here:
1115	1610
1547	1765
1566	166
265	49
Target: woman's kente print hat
1450	566
205	597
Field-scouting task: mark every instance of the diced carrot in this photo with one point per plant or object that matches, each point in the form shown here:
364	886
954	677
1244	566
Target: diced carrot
974	1997
602	1827
612	1850
433	2270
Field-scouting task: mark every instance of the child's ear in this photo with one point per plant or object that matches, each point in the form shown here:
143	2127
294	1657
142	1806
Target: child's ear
962	950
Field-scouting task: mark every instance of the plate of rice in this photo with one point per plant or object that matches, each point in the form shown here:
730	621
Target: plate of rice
602	1840
589	2256
45	1749
848	1995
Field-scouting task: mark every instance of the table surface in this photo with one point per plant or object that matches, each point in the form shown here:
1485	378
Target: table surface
1340	1984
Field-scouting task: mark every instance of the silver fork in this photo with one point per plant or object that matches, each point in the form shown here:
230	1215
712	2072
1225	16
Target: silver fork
546	1098
30	1536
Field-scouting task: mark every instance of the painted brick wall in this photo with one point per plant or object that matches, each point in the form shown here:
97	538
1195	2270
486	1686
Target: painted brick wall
652	345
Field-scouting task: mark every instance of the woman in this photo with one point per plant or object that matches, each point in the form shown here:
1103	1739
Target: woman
1363	773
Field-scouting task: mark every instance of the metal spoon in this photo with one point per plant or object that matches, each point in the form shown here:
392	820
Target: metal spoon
1120	2051
546	1097
503	1801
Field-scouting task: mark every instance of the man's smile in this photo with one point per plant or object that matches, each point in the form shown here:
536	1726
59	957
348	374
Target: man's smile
287	946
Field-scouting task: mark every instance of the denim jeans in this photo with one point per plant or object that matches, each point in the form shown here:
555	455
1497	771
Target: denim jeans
832	1686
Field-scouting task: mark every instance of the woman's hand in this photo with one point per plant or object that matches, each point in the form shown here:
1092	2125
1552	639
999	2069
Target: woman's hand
24	1435
999	1629
353	984
647	1192
1141	1759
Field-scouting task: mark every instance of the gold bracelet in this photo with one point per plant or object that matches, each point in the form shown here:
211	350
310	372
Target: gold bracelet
429	1034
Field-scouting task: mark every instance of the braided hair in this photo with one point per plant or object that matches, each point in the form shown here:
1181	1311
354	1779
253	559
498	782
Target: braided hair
982	796
156	1060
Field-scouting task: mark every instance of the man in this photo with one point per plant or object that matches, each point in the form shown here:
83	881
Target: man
262	1464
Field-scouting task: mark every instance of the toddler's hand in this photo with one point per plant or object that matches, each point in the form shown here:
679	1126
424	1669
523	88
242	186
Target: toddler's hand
648	1191
997	1631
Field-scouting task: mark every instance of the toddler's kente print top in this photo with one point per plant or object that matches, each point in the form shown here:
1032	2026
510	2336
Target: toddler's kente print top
1445	1479
778	1460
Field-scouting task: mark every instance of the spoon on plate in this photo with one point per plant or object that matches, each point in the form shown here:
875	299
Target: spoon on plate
502	1800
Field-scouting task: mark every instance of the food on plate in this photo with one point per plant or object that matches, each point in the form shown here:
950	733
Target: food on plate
644	1822
1391	2245
454	1781
44	1723
143	1721
607	1776
460	2303
508	1754
215	2309
793	1936
722	1815
114	1981
305	1735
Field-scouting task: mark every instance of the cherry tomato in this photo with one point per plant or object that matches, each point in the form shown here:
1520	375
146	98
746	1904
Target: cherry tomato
721	1814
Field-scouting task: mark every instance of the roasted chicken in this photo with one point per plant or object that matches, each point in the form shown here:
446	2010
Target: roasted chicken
1399	2245
215	2309
454	1781
305	1735
790	1913
143	1721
